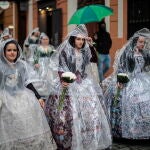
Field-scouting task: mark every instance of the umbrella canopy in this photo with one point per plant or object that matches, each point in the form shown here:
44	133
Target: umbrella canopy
91	13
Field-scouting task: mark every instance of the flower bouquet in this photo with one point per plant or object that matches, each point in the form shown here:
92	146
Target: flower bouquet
121	78
67	77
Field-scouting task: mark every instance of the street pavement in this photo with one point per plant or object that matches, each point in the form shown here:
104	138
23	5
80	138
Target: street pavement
131	144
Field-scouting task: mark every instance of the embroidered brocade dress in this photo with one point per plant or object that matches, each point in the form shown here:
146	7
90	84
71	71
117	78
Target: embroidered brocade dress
130	118
82	123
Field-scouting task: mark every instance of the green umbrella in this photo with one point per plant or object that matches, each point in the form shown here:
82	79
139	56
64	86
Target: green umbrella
91	13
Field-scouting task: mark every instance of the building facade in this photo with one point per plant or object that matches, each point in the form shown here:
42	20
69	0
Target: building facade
52	16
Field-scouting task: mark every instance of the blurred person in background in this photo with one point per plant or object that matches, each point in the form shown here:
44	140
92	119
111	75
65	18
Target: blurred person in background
103	44
30	45
43	65
5	35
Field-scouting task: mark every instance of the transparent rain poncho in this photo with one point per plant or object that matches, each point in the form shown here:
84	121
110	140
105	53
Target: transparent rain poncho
23	125
82	123
30	45
5	35
42	58
132	112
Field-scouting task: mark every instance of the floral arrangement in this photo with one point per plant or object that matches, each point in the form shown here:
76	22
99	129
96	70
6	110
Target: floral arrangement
67	77
121	78
48	53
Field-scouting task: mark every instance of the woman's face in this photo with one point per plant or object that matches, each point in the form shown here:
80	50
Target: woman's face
6	37
79	41
11	52
45	41
36	34
140	42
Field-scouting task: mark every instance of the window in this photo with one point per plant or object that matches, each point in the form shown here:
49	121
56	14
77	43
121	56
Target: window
138	15
82	3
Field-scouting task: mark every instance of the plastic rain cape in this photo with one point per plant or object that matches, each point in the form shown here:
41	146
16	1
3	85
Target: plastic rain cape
134	101
82	110
6	32
23	125
29	46
45	72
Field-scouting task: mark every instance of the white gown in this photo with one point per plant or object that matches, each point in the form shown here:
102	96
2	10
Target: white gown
23	125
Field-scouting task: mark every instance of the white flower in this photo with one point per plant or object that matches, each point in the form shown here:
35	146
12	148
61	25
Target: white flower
69	75
122	78
123	75
54	50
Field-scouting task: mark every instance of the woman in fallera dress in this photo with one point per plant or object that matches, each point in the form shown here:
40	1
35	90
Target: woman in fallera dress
81	124
130	112
30	45
43	65
23	125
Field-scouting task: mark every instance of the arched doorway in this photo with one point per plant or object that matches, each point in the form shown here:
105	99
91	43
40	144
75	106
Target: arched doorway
50	20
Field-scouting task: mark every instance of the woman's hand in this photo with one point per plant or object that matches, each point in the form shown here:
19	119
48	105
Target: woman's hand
37	66
95	36
65	84
42	103
90	41
119	85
